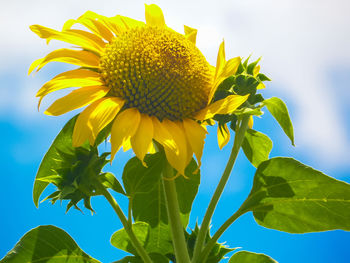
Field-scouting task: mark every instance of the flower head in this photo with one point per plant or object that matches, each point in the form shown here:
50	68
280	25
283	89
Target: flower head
150	82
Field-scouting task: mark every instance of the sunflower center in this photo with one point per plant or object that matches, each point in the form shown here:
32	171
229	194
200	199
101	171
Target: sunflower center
157	71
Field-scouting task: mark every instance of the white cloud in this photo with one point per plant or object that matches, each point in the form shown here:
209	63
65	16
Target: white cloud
299	41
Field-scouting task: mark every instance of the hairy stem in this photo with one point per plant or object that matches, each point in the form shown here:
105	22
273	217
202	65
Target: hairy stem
177	229
128	228
219	189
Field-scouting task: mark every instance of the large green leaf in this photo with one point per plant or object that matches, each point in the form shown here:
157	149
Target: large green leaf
121	240
47	244
138	178
292	197
144	185
279	111
156	258
51	160
256	146
250	257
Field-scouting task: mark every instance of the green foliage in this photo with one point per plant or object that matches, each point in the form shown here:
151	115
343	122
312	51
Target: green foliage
73	170
138	178
217	253
47	244
157	258
256	146
250	257
144	187
121	240
292	197
51	160
279	111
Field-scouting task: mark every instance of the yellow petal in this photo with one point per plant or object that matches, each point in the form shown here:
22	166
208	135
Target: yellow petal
223	136
256	70
230	67
221	60
195	134
151	149
224	106
162	135
142	138
75	57
35	64
70	79
251	122
220	63
80	38
82	131
124	126
191	34
94	40
127	145
181	158
96	26
261	86
120	24
77	99
154	15
95	117
104	113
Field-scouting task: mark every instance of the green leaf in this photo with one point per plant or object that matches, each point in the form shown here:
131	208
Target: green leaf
279	111
292	197
109	181
148	205
139	179
256	146
157	258
121	240
47	244
51	160
250	257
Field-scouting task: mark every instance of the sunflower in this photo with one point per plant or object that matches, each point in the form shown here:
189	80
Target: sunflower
150	82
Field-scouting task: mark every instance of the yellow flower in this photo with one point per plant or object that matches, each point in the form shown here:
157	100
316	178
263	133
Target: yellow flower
150	81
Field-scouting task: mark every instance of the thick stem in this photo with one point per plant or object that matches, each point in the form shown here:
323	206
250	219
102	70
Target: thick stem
219	189
177	229
135	242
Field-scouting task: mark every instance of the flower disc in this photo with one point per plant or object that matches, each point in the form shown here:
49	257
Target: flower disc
157	71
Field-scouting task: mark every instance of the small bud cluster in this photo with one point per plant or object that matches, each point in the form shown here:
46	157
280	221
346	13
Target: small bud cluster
157	71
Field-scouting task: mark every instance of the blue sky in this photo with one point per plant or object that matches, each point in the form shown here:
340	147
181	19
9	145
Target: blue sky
304	45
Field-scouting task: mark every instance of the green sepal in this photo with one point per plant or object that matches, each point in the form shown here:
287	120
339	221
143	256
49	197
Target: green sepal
251	66
250	257
292	197
47	244
110	181
73	170
217	253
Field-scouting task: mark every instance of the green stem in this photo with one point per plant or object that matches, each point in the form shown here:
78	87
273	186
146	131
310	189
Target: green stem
219	189
177	229
135	242
211	243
